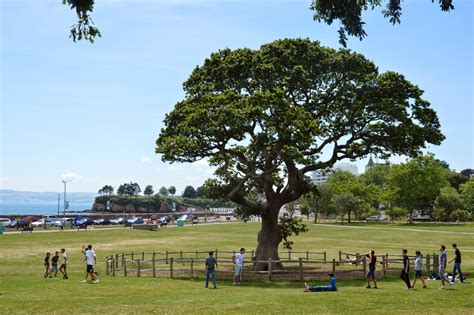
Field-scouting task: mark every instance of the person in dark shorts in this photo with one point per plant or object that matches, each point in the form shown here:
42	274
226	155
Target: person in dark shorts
91	259
47	266
418	270
54	264
405	273
457	263
371	272
322	288
211	265
443	261
63	267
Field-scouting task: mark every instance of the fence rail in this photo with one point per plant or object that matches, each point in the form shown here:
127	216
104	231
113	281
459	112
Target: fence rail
299	266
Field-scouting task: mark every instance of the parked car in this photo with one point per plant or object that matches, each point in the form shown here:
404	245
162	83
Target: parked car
17	224
41	223
4	221
136	221
102	222
118	221
84	221
12	224
374	218
420	217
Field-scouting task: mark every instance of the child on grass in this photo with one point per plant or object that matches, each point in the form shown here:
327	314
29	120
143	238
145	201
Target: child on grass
418	270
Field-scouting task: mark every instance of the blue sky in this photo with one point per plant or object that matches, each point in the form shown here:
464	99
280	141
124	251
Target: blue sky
91	113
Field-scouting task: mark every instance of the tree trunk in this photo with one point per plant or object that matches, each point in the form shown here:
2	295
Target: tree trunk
269	238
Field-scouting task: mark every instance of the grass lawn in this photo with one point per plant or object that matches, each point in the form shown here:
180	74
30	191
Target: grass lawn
24	290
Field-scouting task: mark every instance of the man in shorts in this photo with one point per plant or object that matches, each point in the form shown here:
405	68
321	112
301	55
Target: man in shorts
63	267
91	259
46	266
457	263
238	260
443	259
54	264
371	272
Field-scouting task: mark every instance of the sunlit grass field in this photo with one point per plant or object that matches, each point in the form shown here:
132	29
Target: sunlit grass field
24	290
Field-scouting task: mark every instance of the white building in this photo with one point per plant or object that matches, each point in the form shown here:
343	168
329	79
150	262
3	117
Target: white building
321	176
348	167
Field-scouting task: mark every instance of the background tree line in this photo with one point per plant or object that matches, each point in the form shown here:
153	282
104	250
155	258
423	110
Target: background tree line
423	185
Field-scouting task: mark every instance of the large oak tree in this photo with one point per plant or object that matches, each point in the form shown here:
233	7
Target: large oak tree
265	117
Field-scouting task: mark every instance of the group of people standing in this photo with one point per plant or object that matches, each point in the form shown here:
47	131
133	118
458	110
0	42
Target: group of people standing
51	264
211	265
419	267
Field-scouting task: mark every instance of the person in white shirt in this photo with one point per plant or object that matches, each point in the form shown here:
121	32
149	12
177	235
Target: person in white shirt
238	260
418	270
63	267
90	258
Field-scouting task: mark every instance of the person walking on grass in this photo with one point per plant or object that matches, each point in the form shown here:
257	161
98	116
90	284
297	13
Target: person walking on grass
211	265
443	260
63	267
371	272
457	263
91	259
47	266
238	260
54	264
405	274
418	270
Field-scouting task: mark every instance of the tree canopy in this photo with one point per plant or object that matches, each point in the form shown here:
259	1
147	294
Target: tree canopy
106	190
265	117
84	29
129	189
349	14
189	192
148	190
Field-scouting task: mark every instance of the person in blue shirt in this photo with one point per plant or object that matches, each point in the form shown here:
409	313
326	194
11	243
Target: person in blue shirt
320	288
443	261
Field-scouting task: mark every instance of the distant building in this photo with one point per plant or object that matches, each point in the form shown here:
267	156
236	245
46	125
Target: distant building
321	176
348	167
371	163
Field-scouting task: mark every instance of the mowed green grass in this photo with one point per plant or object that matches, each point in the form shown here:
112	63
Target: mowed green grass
24	290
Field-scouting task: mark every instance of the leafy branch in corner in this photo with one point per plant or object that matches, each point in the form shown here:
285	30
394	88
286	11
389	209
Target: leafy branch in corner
84	29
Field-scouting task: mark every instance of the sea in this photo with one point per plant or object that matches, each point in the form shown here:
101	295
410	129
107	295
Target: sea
40	208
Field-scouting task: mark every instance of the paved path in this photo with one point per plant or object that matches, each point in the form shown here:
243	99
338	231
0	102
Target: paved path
394	229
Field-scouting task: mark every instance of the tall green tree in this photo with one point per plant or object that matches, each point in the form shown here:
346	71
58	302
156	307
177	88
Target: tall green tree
163	191
447	201
349	13
189	192
415	183
129	189
148	190
172	190
319	201
106	190
467	195
264	117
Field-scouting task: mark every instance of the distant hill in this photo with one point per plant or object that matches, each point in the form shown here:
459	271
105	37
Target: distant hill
7	195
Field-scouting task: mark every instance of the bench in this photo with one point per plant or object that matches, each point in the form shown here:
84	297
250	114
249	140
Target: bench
27	229
82	226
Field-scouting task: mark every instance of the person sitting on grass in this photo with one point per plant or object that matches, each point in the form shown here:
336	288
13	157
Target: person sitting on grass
418	269
46	266
321	288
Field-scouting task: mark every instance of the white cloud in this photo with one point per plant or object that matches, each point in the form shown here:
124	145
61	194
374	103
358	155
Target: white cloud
71	177
146	160
201	163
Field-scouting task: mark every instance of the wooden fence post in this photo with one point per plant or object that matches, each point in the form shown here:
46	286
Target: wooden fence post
154	265
340	256
107	265
364	264
428	263
334	266
253	255
269	269
386	260
307	255
192	268
123	258
171	267
325	257
197	255
435	262
384	265
180	254
166	257
216	254
113	267
125	267
143	255
289	255
132	256
116	260
138	267
301	268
